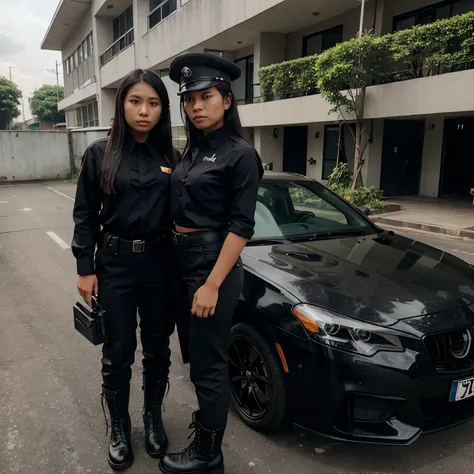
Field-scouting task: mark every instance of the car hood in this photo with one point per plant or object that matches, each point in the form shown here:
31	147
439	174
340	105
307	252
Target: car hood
382	278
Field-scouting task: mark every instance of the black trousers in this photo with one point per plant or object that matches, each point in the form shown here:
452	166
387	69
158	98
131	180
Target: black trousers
129	282
208	338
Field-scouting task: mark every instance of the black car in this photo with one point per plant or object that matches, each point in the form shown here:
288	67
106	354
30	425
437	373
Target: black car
345	329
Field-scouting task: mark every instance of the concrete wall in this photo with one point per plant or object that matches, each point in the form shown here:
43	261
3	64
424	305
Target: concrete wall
118	67
33	155
81	139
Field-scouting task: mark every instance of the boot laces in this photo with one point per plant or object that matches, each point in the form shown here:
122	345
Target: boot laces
158	402
116	420
193	448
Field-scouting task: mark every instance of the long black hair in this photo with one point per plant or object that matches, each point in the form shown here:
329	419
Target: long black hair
161	133
231	119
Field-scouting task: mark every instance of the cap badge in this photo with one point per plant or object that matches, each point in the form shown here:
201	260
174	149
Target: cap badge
186	72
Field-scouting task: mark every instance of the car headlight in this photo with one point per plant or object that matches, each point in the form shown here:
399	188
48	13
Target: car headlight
346	334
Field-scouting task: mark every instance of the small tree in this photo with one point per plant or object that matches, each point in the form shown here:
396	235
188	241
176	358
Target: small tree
44	103
17	126
10	97
343	74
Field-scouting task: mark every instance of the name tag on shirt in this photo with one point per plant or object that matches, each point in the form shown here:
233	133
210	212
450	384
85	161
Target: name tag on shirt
166	170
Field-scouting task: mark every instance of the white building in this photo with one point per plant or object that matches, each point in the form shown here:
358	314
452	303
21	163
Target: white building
420	130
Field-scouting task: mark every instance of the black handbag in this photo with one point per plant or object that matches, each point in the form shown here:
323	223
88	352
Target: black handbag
91	323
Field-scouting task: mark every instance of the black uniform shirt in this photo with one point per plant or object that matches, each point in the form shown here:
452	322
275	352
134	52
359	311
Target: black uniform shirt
138	210
215	186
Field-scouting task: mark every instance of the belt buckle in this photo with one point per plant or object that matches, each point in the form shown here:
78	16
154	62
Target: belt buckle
138	246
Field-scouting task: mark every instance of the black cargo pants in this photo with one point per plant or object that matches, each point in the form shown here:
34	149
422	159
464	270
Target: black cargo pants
130	280
208	339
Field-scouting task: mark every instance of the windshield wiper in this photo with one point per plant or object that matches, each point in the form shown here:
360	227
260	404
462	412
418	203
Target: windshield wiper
327	235
268	242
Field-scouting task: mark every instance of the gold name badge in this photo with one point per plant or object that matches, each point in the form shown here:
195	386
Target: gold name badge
166	170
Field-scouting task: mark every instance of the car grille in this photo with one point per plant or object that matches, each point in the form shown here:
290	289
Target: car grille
451	351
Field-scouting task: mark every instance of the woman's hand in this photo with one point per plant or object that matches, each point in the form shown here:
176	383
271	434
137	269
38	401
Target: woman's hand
205	301
88	286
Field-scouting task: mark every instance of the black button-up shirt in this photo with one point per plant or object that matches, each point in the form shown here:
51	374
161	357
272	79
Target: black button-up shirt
215	186
139	208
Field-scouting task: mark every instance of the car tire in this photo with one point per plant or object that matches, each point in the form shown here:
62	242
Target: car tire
274	417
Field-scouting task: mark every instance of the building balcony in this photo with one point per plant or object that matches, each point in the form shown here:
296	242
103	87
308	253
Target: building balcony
86	92
445	94
117	60
228	25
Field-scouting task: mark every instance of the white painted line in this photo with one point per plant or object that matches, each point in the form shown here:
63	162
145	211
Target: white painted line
461	251
61	194
26	209
58	240
4	202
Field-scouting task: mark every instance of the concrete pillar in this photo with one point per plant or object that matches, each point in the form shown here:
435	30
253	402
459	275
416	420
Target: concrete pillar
373	155
432	155
141	9
383	18
269	49
269	148
106	106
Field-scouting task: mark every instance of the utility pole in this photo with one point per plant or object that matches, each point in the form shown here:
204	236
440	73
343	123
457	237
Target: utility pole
11	74
362	12
23	109
57	80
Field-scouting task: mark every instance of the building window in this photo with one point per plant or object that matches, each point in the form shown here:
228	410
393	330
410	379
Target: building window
430	14
88	115
123	23
339	147
123	35
243	86
160	10
80	55
323	40
215	52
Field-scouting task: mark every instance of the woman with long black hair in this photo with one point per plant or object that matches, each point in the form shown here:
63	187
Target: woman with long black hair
122	210
213	198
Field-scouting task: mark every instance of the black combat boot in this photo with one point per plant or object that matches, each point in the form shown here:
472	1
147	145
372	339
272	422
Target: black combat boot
156	440
120	450
202	456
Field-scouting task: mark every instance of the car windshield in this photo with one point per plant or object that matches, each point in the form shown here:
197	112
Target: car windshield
302	210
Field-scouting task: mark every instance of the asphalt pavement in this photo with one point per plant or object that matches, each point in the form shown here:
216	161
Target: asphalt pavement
51	419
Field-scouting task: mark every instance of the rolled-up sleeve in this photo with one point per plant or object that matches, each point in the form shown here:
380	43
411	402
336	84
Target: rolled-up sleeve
86	211
245	181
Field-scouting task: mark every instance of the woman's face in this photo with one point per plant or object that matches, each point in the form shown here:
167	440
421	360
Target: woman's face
206	109
142	107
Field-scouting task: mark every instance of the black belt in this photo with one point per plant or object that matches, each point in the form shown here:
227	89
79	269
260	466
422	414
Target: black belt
114	245
191	239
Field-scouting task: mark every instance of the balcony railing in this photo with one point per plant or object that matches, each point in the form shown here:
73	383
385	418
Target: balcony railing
123	42
423	51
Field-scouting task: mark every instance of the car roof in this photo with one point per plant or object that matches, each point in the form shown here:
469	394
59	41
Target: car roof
280	175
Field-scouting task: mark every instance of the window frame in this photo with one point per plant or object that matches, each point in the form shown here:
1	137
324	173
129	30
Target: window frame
249	84
322	32
160	6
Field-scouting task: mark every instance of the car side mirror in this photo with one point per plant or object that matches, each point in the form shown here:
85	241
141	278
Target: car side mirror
365	210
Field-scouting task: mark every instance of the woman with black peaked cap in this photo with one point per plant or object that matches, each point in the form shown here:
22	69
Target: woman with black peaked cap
121	239
213	198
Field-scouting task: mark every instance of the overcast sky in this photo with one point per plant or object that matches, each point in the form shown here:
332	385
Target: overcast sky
23	24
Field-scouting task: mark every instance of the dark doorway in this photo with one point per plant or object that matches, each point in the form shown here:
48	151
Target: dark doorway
457	166
401	157
295	149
